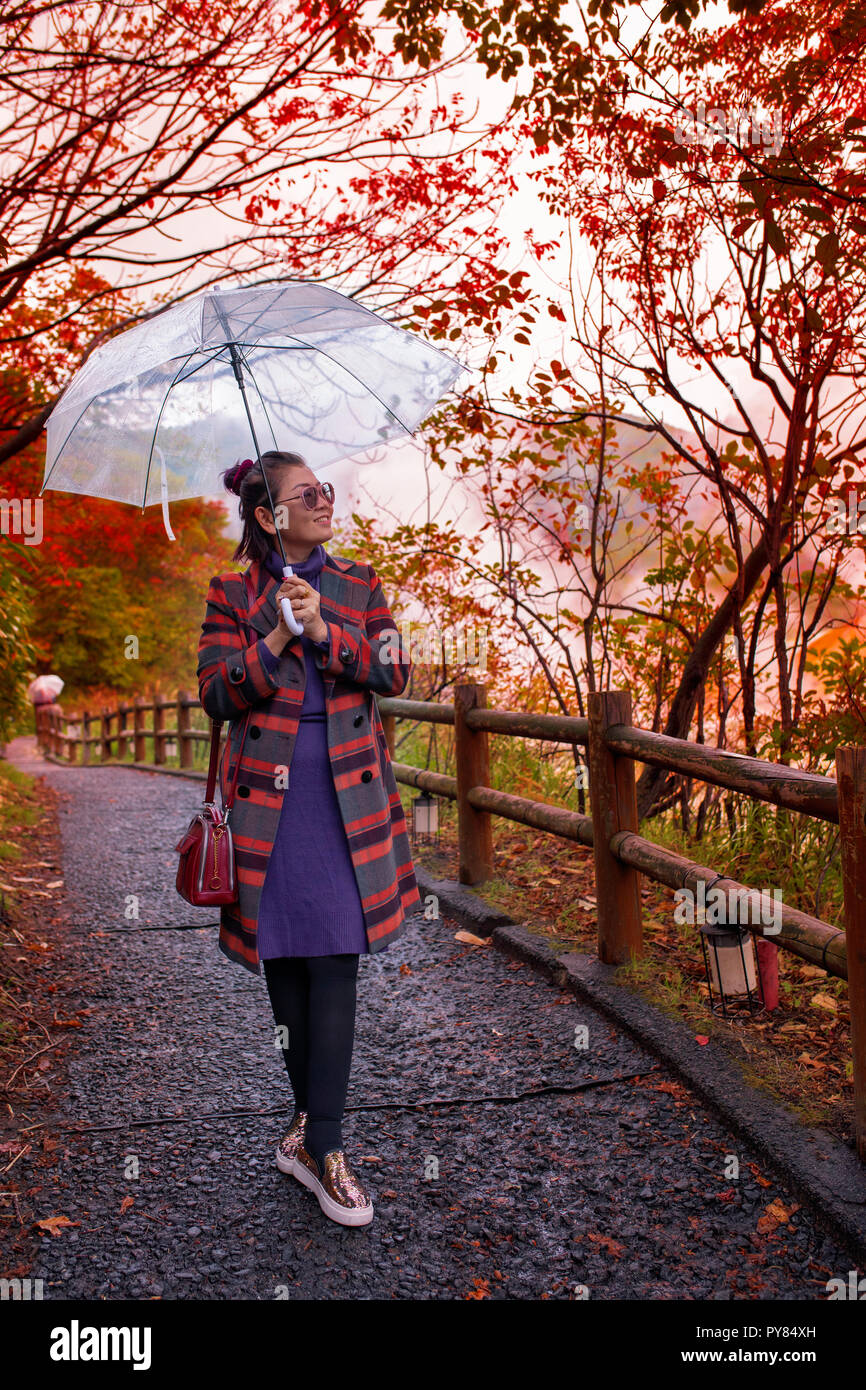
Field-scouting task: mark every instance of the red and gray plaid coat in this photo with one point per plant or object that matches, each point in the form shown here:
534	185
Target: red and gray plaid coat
365	657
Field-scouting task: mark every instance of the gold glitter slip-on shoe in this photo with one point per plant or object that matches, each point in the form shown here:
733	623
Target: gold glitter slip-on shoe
288	1146
340	1195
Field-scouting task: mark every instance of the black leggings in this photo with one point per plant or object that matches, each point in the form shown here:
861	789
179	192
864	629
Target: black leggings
313	997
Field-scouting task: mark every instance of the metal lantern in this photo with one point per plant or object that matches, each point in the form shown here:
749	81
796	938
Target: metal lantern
425	818
729	962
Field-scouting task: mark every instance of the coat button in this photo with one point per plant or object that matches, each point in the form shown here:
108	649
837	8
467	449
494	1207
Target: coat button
359	719
255	731
243	791
366	775
237	673
344	654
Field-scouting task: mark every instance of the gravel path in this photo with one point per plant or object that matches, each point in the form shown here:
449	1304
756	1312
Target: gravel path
618	1190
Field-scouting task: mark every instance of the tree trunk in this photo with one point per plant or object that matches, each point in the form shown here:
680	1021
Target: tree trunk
697	668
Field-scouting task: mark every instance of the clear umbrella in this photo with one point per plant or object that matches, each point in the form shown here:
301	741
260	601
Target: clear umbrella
296	365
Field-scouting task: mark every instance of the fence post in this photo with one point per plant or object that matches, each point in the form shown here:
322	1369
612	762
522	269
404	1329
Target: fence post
106	733
140	730
474	833
121	731
613	803
851	777
71	746
184	725
85	737
158	728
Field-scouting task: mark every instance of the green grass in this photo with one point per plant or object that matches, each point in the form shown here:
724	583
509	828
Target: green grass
19	805
670	990
768	847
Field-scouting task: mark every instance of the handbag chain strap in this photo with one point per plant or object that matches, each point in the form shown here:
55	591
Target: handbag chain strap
215	734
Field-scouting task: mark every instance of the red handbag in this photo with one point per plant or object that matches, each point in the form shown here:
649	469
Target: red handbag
206	872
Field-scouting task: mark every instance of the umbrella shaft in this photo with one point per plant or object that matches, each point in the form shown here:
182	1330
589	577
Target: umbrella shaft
238	369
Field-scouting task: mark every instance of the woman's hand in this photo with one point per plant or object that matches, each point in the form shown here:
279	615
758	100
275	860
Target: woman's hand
305	606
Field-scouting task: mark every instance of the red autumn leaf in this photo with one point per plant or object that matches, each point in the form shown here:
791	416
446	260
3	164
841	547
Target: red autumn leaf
55	1224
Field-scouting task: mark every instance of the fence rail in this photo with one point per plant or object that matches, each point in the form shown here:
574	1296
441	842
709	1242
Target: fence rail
620	853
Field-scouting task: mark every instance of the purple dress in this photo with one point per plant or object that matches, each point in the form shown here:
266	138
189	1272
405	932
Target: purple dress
310	904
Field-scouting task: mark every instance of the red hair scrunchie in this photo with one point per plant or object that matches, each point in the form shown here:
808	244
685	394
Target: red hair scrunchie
241	470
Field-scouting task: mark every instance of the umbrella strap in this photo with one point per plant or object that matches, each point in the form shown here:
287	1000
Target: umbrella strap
164	494
217	726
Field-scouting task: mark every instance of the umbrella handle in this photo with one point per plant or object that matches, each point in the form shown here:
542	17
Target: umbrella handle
286	604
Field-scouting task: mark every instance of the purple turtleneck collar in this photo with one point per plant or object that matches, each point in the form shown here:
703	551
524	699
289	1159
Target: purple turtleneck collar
308	569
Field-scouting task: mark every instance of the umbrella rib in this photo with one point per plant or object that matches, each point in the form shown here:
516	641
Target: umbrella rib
89	403
206	362
358	307
57	456
162	408
258	393
274	347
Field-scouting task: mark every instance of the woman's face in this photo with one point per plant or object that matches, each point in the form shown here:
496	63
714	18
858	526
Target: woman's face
300	528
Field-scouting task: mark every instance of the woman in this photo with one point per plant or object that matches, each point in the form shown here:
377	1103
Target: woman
322	854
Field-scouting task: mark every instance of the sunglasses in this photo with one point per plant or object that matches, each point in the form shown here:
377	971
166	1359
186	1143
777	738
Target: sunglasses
311	495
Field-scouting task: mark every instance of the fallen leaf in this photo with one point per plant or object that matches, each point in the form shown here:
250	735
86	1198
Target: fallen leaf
777	1210
810	1061
55	1224
760	1179
775	1214
126	1204
55	883
613	1246
470	939
481	1289
825	1001
699	1038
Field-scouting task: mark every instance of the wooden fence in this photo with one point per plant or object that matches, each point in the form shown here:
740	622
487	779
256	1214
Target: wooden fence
621	855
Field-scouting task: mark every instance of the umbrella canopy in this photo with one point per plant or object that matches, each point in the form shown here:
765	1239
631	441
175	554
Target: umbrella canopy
44	689
150	413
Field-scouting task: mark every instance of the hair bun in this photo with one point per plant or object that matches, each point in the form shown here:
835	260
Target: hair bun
233	477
